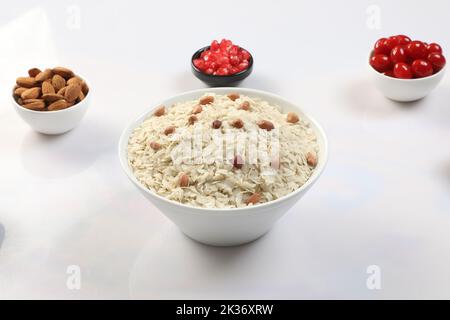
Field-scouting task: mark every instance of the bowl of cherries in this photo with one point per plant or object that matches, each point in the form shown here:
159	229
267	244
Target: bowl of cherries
222	63
406	70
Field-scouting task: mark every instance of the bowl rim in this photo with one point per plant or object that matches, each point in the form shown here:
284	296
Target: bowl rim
382	75
75	106
123	157
199	51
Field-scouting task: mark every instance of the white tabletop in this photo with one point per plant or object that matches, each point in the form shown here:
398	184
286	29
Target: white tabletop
382	204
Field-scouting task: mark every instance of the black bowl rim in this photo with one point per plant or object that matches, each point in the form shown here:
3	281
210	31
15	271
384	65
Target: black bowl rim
199	51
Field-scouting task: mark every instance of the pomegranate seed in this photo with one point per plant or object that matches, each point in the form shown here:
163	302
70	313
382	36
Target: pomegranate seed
245	55
199	64
215	45
222	72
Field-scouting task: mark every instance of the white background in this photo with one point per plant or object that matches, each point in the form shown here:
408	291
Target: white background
383	199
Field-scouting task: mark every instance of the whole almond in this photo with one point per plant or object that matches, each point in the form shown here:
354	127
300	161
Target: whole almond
233	96
265	124
155	145
237	123
206	100
311	159
33	72
36	105
47	87
84	88
197	109
58	82
254	198
216	124
192	119
75	80
169	130
32	93
183	181
26	82
44	75
63	72
52	97
72	92
31	100
18	91
81	96
245	106
58	105
160	111
292	117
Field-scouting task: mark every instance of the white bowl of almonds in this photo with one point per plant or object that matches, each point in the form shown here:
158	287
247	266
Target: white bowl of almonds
224	164
51	101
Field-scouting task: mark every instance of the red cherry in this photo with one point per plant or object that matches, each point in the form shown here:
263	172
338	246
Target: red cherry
402	71
398	54
437	61
389	73
416	50
380	47
380	62
434	47
421	68
402	39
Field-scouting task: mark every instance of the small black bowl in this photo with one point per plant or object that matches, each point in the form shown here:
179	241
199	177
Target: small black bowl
220	81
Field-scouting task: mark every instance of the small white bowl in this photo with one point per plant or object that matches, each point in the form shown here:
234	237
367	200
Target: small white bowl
54	122
226	227
405	90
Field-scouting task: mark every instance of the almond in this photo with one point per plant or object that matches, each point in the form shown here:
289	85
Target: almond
197	109
31	100
292	117
160	111
237	123
192	119
238	163
26	82
75	80
35	105
47	87
72	92
206	100
62	91
245	106
44	75
63	72
33	72
58	82
265	124
58	105
84	88
254	198
81	96
52	97
155	145
233	96
183	181
311	159
216	124
169	130
32	93
18	91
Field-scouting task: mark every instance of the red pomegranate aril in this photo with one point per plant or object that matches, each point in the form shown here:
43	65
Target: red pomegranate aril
222	72
215	45
416	50
402	71
398	54
437	61
434	47
199	63
421	68
234	60
380	62
209	71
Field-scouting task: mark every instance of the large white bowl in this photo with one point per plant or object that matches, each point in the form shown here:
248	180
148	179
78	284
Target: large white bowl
54	122
405	90
226	227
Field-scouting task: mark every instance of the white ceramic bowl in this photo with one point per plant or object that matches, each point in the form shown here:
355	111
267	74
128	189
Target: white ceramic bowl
405	90
54	122
226	227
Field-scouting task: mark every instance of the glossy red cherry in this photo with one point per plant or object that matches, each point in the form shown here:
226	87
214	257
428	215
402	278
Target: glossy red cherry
437	61
398	54
380	47
380	62
416	50
402	39
421	68
402	71
434	47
